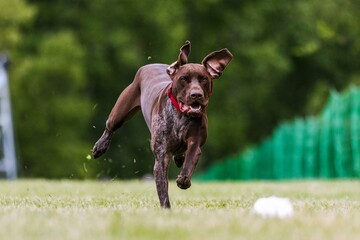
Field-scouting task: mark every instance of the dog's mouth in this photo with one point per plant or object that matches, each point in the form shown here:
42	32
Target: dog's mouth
195	109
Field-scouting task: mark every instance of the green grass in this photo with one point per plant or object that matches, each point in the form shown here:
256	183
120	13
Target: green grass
40	209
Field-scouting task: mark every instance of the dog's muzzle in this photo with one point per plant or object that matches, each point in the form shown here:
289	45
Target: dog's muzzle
193	105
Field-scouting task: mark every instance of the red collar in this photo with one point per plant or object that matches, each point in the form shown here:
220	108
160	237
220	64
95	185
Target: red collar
173	100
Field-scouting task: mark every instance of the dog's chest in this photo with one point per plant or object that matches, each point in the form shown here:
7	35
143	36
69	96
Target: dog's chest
169	130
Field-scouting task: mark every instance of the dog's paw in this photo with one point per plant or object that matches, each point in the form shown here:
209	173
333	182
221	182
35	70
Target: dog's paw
179	160
183	182
102	145
100	148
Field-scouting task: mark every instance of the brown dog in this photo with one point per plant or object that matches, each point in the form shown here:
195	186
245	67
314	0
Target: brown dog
173	99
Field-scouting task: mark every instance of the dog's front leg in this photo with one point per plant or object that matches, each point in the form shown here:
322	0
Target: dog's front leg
161	178
191	159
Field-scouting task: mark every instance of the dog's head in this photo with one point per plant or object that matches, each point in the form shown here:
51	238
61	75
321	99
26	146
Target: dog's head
192	83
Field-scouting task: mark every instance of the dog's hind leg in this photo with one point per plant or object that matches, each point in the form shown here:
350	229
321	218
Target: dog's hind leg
125	107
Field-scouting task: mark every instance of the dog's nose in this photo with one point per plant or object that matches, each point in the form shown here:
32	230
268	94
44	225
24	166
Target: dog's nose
196	94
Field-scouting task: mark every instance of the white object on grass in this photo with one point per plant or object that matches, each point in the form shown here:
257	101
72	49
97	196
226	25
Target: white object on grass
273	207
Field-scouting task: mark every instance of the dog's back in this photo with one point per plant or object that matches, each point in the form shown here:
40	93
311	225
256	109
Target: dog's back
153	82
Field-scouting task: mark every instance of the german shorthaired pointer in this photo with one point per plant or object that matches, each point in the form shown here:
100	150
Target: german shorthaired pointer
173	99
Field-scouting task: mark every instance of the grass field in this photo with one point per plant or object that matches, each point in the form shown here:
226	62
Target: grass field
40	209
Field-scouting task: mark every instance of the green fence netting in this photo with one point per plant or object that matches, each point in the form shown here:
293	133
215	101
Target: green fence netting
324	146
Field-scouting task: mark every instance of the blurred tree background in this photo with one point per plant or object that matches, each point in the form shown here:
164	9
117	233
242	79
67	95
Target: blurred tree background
72	58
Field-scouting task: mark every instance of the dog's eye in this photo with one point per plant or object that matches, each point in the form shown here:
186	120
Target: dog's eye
184	78
202	78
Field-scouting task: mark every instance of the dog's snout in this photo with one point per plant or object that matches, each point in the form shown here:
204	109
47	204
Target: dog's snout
196	94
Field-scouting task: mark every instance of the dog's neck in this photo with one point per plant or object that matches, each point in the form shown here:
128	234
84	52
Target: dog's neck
173	99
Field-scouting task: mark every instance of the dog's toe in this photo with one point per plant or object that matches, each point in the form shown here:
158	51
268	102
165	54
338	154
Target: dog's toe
183	182
98	151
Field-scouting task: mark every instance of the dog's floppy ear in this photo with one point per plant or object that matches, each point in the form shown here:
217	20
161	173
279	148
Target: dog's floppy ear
216	62
182	59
